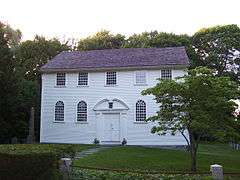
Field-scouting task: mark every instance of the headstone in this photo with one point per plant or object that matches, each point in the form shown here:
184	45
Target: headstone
31	136
217	171
65	167
14	140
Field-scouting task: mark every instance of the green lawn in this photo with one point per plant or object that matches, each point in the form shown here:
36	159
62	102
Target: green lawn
155	159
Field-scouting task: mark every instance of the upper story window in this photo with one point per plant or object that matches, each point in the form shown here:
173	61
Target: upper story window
83	79
59	111
166	74
82	111
140	77
140	110
61	79
111	78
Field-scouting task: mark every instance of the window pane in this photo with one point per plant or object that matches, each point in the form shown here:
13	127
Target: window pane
166	74
61	77
140	111
140	77
82	111
59	111
111	78
83	79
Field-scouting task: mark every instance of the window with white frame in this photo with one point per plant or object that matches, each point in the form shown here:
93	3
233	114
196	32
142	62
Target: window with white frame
140	77
166	74
111	78
83	79
59	111
61	78
82	111
140	110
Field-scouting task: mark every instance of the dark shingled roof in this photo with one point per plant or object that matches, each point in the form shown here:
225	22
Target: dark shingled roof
118	58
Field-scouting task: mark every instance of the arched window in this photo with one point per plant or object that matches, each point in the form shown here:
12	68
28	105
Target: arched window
82	111
140	110
59	111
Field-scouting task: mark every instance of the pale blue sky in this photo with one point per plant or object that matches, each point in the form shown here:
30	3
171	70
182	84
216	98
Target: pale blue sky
80	18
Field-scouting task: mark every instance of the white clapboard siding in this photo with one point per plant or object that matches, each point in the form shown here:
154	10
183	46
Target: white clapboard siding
126	91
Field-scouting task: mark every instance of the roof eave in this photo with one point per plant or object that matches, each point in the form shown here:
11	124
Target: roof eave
54	70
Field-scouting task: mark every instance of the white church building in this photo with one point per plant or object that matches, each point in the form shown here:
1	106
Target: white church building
97	94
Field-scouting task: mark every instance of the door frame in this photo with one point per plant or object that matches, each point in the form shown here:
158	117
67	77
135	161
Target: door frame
100	125
119	128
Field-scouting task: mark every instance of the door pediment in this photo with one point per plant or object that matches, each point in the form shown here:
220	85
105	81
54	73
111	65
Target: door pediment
117	104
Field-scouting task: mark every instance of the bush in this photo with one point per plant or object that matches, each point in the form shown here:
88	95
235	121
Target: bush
85	174
28	166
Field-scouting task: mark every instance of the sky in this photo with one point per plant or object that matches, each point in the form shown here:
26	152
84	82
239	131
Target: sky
80	18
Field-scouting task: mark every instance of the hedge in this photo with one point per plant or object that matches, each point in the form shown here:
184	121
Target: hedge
32	161
86	174
28	166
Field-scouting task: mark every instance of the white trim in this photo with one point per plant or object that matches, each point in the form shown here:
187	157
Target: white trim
107	109
60	86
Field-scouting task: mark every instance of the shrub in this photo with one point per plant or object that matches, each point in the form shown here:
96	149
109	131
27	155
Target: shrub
28	166
86	174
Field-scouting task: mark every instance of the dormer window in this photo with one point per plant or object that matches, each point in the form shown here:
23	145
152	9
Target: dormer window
61	78
111	78
166	74
83	79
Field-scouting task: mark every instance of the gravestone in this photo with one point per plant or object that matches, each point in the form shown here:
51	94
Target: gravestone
65	167
14	140
217	172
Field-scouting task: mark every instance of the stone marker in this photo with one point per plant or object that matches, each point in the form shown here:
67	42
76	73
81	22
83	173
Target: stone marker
65	167
14	140
217	171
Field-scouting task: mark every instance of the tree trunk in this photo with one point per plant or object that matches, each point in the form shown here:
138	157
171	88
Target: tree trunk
193	151
193	159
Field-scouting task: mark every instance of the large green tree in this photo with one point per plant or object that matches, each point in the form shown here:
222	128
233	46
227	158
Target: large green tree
195	105
218	48
11	124
101	40
157	39
32	54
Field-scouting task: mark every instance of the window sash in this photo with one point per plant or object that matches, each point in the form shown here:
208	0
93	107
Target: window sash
140	77
82	111
61	79
140	111
59	111
166	74
111	78
83	79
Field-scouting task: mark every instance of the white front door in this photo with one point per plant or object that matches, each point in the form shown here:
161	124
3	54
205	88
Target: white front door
111	127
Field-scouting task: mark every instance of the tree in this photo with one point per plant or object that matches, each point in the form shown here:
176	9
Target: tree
199	103
157	39
9	91
218	48
31	55
101	40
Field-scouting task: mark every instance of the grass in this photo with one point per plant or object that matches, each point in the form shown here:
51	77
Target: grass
155	159
40	148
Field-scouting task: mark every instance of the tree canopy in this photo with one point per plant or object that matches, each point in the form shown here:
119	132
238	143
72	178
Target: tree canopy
218	48
196	104
31	55
101	40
